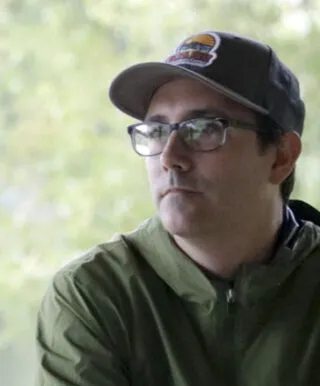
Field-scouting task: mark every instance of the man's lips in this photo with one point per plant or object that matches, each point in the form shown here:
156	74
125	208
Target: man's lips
177	190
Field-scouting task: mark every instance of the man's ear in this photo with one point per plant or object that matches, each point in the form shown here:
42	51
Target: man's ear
287	152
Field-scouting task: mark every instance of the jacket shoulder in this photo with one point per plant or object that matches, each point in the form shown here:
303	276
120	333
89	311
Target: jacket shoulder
107	265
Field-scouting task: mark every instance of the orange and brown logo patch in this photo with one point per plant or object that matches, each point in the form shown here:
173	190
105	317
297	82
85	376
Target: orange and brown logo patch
197	50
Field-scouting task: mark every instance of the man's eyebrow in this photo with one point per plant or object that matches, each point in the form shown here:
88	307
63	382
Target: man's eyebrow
157	118
191	114
198	113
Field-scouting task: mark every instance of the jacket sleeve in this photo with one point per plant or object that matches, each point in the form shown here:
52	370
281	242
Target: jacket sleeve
76	345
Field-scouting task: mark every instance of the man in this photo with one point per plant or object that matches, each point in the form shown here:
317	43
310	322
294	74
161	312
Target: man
222	286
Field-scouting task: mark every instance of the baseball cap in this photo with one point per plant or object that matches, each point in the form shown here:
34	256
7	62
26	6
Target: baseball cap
240	68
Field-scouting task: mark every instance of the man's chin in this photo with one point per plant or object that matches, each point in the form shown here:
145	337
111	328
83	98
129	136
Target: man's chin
179	225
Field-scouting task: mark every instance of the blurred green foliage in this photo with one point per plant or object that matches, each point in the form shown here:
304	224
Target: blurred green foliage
68	178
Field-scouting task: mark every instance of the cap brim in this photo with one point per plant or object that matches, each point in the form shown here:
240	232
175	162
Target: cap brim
132	90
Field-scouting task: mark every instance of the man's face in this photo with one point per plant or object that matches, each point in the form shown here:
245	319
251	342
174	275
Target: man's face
197	192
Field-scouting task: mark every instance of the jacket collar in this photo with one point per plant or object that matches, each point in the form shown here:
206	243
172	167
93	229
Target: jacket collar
253	281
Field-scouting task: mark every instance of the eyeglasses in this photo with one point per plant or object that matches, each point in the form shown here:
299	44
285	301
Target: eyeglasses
200	134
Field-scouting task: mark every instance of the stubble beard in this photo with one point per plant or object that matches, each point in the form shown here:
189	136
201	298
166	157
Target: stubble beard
180	217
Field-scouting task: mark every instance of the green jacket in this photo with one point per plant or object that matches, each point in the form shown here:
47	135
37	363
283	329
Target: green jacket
136	311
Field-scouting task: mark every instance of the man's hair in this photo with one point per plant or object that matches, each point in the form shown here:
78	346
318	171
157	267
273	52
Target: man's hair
271	134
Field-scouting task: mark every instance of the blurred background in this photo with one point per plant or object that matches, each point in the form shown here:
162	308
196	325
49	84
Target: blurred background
68	177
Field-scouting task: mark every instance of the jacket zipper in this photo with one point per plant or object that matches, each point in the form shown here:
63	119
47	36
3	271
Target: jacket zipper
231	295
231	300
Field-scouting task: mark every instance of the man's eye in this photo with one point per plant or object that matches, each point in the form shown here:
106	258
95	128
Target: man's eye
210	128
155	133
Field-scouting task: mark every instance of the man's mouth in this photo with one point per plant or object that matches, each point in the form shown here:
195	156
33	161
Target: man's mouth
177	190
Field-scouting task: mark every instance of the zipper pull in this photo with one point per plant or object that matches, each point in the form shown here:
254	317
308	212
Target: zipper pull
231	296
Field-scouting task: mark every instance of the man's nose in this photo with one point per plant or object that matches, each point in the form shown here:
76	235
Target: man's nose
176	154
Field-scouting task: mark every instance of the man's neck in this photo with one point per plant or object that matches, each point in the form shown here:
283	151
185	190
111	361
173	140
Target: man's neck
223	254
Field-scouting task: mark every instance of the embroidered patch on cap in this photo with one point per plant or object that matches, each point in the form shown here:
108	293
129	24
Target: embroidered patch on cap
197	50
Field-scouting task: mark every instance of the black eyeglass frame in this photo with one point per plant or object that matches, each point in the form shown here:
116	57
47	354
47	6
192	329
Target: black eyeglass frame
226	122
